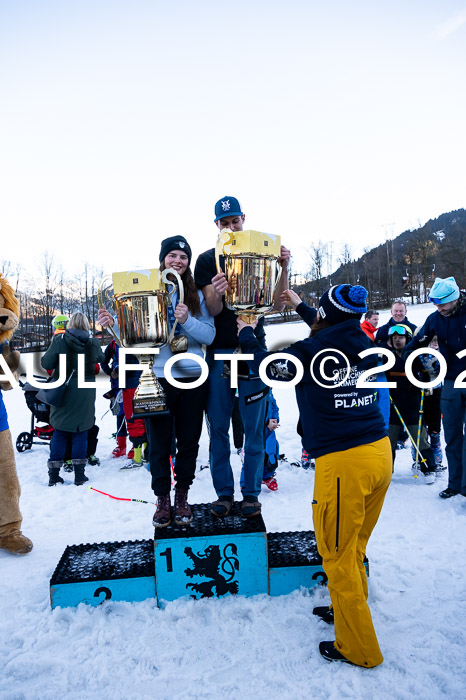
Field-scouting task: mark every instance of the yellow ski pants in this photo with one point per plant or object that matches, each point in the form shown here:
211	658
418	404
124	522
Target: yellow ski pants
349	492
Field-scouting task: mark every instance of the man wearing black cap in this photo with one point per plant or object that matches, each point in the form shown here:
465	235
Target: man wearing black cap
252	392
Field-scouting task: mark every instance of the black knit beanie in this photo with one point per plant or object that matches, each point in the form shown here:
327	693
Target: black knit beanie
175	243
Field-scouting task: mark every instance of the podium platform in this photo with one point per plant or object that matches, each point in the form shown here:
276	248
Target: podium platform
92	573
210	557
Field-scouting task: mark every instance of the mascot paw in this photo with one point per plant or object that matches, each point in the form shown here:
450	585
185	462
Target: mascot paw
16	543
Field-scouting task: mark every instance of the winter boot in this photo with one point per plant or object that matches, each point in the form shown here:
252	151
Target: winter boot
330	653
325	613
79	475
54	472
163	514
93	461
183	512
120	449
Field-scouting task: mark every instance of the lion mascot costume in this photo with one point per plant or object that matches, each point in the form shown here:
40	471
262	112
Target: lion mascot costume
11	537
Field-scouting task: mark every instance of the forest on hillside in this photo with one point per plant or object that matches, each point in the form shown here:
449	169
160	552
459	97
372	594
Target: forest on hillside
401	267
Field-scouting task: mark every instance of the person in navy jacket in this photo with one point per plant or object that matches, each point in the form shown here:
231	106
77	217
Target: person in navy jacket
398	312
344	431
448	323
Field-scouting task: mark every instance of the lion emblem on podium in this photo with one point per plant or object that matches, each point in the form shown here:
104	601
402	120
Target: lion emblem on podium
219	568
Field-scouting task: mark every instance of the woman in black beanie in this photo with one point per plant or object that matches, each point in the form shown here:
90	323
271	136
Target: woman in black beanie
186	405
344	431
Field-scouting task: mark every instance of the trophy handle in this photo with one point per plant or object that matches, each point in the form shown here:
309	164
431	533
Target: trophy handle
225	237
168	282
280	270
103	295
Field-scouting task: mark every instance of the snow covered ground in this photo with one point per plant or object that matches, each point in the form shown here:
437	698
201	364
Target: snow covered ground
259	647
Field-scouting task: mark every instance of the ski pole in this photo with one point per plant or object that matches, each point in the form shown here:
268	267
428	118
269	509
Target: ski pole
421	411
116	498
419	454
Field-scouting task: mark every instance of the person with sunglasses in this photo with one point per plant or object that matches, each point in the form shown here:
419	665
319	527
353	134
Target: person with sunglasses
448	323
406	400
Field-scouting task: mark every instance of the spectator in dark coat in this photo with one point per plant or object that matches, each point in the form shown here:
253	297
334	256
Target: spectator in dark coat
399	316
75	416
448	323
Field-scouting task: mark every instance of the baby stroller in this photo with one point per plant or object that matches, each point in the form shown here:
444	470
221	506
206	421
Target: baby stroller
39	412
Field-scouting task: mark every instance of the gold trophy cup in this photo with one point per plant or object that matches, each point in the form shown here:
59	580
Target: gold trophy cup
140	300
252	271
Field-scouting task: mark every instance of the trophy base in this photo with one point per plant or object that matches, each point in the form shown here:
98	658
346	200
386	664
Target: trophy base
148	407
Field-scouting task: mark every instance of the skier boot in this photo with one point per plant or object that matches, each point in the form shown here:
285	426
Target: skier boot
120	449
68	466
306	461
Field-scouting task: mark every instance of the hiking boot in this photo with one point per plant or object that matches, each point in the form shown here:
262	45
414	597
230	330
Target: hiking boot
16	543
163	514
250	507
325	613
183	512
68	466
448	493
222	506
331	653
79	476
54	473
271	483
93	461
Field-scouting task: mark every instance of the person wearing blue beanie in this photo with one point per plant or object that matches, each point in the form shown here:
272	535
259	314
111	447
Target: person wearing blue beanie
445	294
343	429
448	323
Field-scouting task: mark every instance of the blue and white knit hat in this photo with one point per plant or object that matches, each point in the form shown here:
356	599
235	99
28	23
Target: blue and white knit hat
342	302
